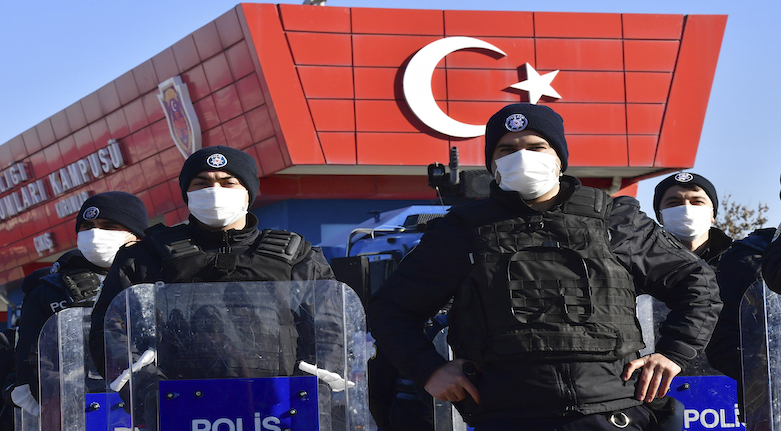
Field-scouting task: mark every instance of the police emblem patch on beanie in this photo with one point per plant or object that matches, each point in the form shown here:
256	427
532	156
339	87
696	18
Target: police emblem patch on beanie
55	268
516	123
684	177
91	213
217	160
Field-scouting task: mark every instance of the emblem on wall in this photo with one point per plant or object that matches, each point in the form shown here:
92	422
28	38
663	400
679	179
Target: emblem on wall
180	114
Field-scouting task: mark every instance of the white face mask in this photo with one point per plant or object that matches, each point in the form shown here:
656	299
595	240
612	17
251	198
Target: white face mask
530	173
100	246
217	207
687	222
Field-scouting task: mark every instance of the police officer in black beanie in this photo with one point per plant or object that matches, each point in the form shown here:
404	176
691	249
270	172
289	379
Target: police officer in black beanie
218	184
105	223
544	275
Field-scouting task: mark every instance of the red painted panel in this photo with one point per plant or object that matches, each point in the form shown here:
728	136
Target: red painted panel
40	219
474	112
306	18
161	135
400	149
207	41
91	105
176	196
126	87
68	151
690	90
579	54
154	172
144	143
650	26
6	155
285	98
326	82
38	166
642	150
588	118
596	150
398	21
387	51
650	55
76	118
214	137
278	186
270	156
519	51
254	153
145	77
130	151
237	132
45	133
152	107
229	28
259	122
589	86
116	181
196	82
100	133
385	83
482	85
403	187
172	218
165	65
147	200
206	111
109	98
84	143
644	119
135	115
333	115
488	23
172	161
218	73
321	49
382	116
117	124
581	25
134	178
627	189
185	53
18	147
60	125
27	226
471	152
53	158
239	60
338	147
227	103
337	187
162	201
250	93
647	87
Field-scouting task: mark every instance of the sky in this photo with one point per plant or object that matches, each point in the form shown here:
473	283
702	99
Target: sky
53	53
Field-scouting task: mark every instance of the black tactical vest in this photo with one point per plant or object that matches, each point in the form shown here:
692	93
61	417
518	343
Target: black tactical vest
270	258
544	286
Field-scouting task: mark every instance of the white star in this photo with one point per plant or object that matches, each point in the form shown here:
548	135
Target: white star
537	85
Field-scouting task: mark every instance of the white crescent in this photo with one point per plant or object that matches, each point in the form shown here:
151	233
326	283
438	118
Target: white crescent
417	85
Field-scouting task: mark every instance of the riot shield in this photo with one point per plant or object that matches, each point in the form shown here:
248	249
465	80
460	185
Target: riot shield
71	391
760	329
240	355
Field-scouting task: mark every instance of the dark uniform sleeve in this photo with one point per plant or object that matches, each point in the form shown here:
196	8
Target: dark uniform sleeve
663	268
424	282
34	316
771	266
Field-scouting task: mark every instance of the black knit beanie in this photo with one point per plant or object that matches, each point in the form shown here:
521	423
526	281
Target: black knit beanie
525	116
220	158
119	207
683	179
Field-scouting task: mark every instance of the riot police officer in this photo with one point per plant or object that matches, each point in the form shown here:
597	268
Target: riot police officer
105	223
544	276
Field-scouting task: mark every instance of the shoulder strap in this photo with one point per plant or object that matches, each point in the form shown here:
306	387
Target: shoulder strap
589	202
169	242
288	247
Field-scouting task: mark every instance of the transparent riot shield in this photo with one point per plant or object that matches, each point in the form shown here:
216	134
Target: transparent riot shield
446	417
71	392
240	356
760	343
24	421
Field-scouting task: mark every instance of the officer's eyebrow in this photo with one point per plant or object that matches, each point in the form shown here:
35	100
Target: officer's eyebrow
208	178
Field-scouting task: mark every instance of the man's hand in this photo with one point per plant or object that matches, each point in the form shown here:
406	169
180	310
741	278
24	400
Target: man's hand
449	383
656	376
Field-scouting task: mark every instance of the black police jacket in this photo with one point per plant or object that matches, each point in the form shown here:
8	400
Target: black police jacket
434	271
49	297
139	264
